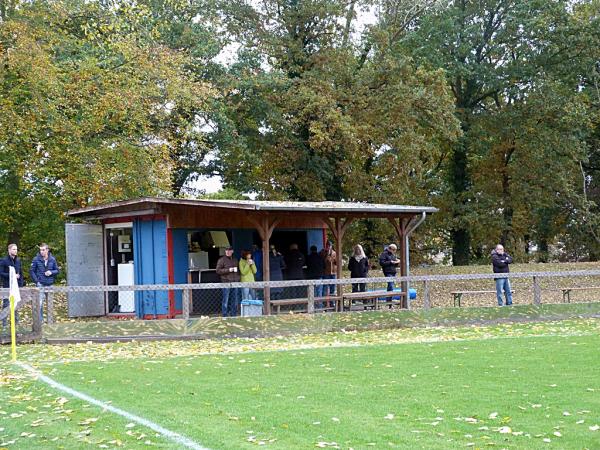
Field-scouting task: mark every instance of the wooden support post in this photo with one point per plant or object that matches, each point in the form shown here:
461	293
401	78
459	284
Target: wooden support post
338	228
265	228
266	274
401	226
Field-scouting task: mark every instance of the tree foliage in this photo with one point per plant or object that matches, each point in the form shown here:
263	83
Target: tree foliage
85	113
515	69
315	120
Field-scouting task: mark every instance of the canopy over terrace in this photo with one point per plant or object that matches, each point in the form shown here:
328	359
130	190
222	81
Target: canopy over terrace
264	217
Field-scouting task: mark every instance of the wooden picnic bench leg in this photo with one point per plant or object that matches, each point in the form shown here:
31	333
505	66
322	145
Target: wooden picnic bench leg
457	298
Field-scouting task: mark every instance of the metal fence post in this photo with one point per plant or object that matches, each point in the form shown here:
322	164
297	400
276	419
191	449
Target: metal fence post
426	298
185	300
537	291
310	296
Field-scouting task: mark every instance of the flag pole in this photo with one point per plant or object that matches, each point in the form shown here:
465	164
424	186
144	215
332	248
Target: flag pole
13	329
14	298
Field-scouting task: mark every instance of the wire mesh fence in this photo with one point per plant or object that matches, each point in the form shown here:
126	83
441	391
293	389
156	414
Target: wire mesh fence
86	303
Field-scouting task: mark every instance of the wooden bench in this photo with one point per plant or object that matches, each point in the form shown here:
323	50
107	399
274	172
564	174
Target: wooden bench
566	292
457	295
331	304
370	299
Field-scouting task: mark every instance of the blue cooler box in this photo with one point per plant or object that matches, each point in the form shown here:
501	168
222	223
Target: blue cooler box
252	308
412	294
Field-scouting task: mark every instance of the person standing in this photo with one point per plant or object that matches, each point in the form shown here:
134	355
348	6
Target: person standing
43	272
314	268
358	265
276	268
5	263
247	272
389	264
500	262
294	262
330	270
227	269
257	257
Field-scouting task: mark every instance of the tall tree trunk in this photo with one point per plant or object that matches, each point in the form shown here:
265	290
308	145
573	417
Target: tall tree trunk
542	254
14	237
507	210
460	182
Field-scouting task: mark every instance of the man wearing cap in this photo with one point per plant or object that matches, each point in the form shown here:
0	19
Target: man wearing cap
227	269
389	264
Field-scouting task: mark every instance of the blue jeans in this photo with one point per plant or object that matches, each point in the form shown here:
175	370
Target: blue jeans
503	283
248	294
390	285
327	287
43	298
231	299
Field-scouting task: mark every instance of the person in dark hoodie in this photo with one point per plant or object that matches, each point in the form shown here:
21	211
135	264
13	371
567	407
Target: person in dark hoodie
43	272
358	265
276	268
294	262
389	264
314	269
500	262
10	260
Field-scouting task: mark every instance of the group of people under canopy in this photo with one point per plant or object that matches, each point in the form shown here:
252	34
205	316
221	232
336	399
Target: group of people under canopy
294	265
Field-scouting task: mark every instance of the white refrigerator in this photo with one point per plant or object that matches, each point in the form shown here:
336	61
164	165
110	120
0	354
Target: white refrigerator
125	278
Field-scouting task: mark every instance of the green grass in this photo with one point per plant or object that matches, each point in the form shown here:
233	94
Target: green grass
542	380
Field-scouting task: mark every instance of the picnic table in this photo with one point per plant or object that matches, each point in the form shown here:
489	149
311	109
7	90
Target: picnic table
329	303
566	292
457	295
356	301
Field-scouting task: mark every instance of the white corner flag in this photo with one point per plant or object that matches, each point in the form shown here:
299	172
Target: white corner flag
15	299
13	284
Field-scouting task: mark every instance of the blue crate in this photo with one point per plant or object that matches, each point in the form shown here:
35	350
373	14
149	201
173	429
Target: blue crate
252	308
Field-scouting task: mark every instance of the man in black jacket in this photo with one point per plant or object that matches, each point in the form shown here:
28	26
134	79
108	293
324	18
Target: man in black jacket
10	260
389	264
500	262
314	269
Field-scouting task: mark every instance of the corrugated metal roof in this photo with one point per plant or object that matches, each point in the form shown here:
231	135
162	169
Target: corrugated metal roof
260	205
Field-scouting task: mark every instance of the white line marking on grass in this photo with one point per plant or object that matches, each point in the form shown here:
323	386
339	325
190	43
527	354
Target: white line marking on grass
175	437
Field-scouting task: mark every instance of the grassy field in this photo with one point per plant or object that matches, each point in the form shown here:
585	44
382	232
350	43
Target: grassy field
527	385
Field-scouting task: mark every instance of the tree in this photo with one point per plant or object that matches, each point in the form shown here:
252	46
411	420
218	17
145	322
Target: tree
85	111
310	116
497	54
